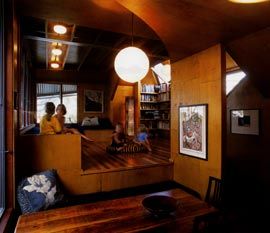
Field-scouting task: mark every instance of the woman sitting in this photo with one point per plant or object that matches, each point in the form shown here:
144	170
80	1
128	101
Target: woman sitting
49	124
60	115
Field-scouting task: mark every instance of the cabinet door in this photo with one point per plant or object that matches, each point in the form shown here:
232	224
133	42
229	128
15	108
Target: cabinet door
130	122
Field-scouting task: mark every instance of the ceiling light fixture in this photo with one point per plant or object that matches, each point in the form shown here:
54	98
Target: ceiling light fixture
131	64
248	1
60	29
56	52
55	65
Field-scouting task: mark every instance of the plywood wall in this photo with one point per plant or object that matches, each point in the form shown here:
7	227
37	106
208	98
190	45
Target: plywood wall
198	80
117	105
247	158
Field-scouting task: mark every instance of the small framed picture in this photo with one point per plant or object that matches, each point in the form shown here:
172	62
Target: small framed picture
193	130
93	101
245	121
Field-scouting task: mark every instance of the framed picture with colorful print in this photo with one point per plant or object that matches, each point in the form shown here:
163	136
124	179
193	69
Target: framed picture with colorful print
193	130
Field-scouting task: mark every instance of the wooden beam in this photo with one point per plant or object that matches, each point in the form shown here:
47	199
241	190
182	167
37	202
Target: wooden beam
69	76
67	51
87	52
46	45
85	44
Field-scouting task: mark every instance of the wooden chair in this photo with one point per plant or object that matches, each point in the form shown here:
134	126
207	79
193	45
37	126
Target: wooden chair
213	222
214	192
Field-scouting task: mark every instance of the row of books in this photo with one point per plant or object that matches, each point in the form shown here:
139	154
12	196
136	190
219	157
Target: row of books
153	98
149	98
163	125
164	87
151	88
148	88
164	96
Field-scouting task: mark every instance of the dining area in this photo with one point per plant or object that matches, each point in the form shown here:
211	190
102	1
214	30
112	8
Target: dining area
173	209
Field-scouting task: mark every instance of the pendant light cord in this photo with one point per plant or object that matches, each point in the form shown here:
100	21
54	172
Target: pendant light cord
132	18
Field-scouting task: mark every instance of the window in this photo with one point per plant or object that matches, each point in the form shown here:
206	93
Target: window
163	72
232	79
2	122
57	93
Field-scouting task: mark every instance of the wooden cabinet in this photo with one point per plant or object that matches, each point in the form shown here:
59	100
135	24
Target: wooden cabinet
155	108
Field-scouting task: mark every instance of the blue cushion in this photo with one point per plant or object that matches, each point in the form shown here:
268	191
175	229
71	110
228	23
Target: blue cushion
39	192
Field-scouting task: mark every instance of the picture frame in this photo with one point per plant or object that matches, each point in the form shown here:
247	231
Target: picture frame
193	130
245	121
93	101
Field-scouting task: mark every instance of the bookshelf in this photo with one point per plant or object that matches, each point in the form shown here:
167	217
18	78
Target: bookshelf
155	108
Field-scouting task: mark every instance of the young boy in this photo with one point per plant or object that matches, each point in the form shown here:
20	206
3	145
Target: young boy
142	138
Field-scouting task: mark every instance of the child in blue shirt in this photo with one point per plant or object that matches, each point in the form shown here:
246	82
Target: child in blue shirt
142	138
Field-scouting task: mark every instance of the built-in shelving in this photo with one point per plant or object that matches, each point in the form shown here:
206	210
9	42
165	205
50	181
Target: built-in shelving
155	107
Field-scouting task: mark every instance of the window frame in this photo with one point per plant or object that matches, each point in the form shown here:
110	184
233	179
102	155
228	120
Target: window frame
61	93
2	114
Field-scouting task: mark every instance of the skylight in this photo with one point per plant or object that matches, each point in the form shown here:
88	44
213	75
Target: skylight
232	79
163	72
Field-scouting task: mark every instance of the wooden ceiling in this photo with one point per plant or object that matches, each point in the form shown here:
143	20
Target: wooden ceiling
185	26
84	48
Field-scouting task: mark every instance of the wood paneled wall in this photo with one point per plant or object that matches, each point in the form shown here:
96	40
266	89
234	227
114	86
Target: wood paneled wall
196	80
247	158
117	105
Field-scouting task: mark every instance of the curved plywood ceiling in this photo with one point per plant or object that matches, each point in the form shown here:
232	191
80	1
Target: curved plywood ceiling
185	26
107	15
189	26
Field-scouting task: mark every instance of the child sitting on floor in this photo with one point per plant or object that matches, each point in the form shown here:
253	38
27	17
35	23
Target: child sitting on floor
118	137
142	138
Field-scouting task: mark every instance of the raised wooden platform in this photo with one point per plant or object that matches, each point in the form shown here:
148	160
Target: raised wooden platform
95	159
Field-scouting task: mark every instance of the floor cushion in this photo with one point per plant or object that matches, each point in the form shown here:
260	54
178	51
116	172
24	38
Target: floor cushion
39	192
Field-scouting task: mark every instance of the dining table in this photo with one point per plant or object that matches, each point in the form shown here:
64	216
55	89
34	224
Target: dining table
126	214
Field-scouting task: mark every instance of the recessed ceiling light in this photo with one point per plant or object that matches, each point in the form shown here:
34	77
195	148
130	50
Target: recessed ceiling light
54	65
248	1
56	52
60	29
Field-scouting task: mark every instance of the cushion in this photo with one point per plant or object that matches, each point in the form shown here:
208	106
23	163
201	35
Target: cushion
39	192
131	147
90	121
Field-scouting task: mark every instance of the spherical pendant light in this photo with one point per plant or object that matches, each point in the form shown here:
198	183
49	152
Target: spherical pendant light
131	64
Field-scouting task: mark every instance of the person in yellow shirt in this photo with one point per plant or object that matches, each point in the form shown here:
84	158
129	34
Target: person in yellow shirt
60	115
49	124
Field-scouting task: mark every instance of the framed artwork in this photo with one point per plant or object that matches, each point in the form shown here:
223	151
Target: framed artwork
193	130
93	101
245	121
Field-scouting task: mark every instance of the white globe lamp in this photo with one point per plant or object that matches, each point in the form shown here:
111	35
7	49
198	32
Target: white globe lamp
131	64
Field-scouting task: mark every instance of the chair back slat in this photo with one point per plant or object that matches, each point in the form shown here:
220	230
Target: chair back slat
214	192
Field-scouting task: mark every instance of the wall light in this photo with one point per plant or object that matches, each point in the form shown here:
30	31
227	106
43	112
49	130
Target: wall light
60	29
248	1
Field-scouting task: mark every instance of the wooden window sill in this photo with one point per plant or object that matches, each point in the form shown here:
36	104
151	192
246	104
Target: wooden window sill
5	220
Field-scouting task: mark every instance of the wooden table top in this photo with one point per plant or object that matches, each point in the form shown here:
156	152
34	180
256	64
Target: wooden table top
118	215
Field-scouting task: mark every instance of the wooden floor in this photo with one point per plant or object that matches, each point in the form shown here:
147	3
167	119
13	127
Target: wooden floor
95	159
